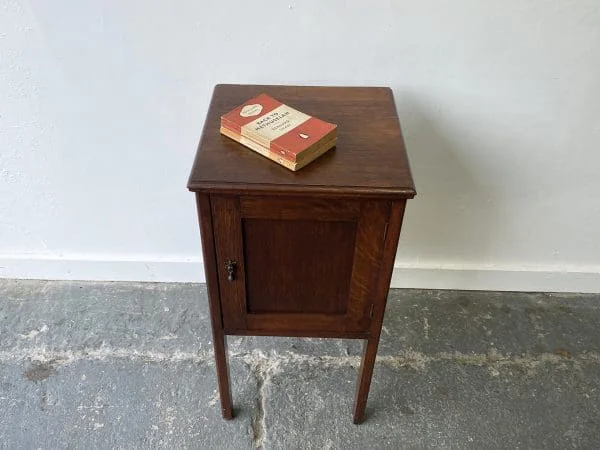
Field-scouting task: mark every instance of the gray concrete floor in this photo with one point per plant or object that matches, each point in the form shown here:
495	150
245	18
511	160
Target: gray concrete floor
129	365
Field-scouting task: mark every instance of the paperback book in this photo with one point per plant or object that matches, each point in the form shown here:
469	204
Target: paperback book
279	132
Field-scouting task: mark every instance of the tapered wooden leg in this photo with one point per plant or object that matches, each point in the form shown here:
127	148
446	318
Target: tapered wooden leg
364	377
379	302
220	347
212	281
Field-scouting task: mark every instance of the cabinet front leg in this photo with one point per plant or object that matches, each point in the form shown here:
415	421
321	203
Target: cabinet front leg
220	347
212	281
364	378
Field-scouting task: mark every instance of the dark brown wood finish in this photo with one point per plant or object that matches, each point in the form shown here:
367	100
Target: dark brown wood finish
369	158
310	274
372	229
228	244
290	208
219	338
307	253
298	266
379	303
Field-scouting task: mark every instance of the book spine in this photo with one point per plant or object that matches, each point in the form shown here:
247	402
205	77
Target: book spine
315	155
280	152
267	153
278	145
238	137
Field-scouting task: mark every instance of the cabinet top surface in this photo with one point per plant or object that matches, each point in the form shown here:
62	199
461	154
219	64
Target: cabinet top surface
369	158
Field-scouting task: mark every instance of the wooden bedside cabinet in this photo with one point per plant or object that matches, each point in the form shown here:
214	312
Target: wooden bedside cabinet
307	253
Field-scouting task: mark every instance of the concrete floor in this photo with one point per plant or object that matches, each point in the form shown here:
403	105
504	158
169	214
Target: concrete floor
129	365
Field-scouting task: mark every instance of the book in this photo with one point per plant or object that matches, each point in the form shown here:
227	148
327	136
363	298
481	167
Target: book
306	158
279	132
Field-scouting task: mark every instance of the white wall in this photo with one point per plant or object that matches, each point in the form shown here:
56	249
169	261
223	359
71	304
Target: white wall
102	104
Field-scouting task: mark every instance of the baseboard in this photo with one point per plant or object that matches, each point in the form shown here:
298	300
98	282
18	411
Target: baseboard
101	268
498	278
450	276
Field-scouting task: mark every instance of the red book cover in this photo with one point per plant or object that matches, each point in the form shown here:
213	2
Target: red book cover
278	127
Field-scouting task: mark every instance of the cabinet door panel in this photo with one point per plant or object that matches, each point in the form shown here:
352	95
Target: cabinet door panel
298	266
301	264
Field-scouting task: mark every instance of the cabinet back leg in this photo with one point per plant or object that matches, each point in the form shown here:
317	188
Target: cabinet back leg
220	347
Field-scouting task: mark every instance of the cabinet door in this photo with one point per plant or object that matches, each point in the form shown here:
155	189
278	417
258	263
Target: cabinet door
291	266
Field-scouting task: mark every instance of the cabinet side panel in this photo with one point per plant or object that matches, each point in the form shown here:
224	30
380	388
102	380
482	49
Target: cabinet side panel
387	264
209	257
367	262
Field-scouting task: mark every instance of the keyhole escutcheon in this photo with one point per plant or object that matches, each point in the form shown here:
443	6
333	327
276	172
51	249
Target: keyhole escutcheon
230	266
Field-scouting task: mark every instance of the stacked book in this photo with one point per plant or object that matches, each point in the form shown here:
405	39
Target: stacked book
279	132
